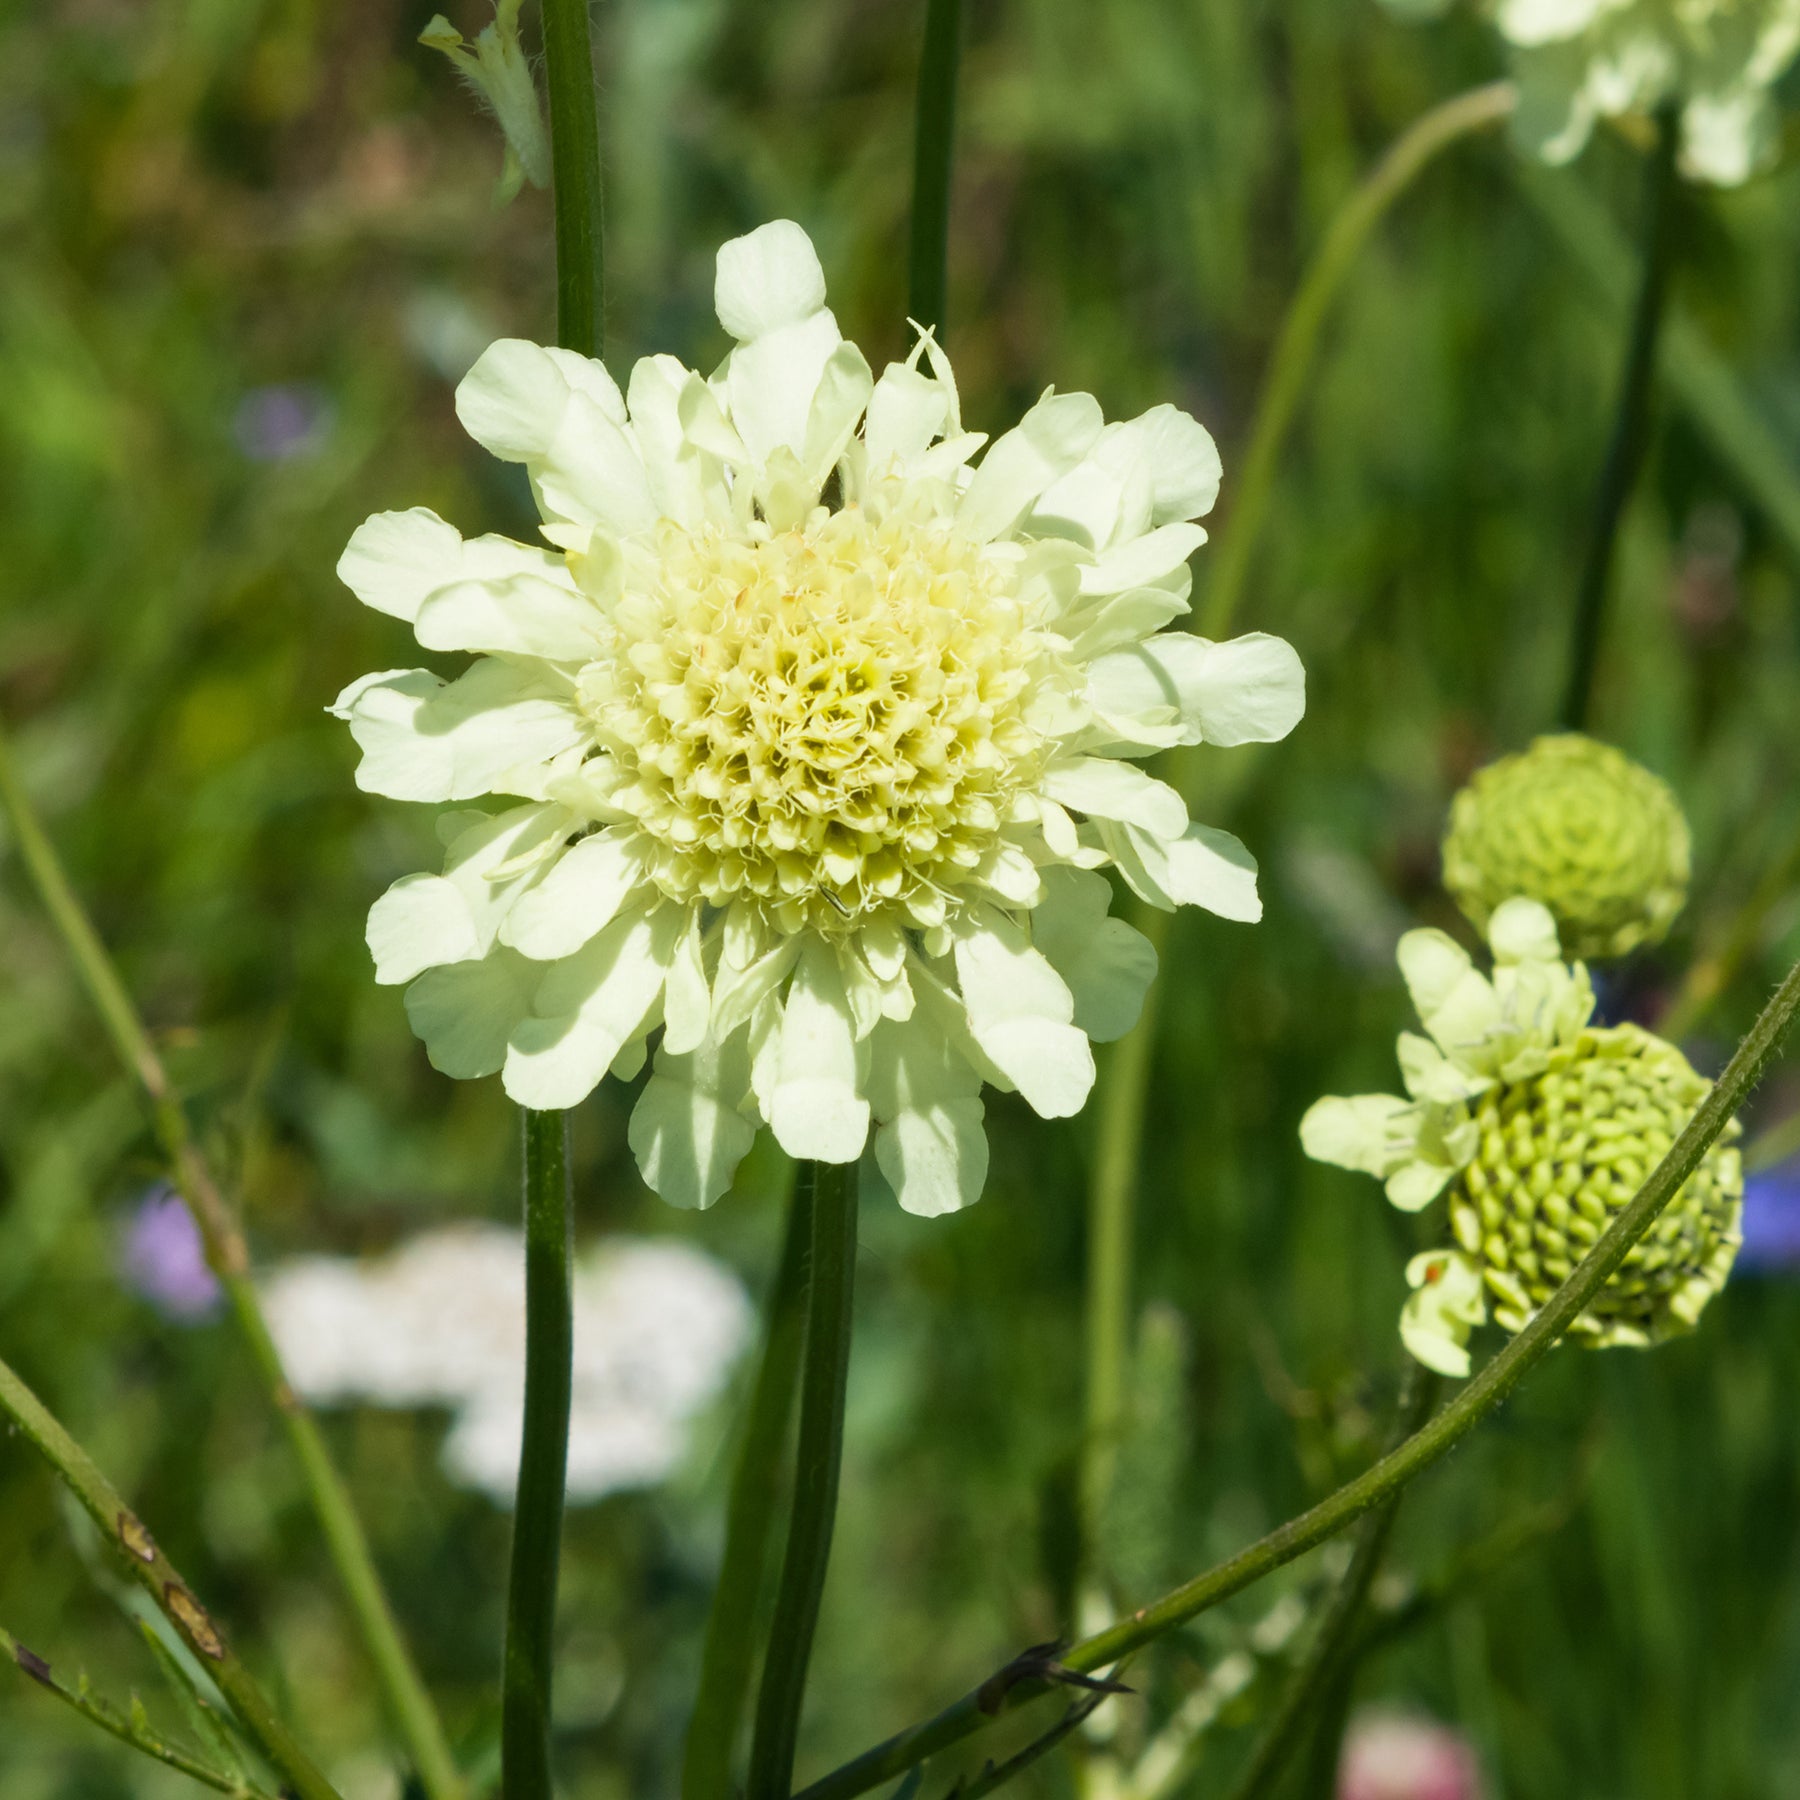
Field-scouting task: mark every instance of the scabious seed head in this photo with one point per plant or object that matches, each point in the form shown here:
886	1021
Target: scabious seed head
1561	1154
833	721
1539	1128
1579	826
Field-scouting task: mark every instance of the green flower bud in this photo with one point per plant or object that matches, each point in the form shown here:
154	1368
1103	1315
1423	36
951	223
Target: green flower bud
1561	1153
1579	826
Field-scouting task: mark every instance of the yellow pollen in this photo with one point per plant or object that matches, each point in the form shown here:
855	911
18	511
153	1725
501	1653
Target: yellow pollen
832	722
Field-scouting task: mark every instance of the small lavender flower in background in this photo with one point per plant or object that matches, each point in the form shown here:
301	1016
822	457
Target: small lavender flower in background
163	1260
1771	1223
280	423
1399	1756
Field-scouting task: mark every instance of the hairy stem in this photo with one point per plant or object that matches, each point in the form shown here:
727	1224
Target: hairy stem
1392	1472
756	1480
543	1461
1327	1660
575	177
1630	437
1297	345
831	1279
934	148
408	1704
122	1528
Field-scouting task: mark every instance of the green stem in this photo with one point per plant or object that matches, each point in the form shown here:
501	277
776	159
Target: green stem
934	148
725	1662
408	1703
975	1710
831	1284
1112	1198
543	1461
1327	1661
575	177
1711	972
1630	438
1296	347
1700	381
153	1571
127	1730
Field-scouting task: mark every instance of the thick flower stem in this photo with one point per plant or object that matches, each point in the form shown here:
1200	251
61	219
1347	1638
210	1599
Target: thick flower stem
543	1461
1630	437
1297	345
408	1703
575	177
122	1528
831	1283
1112	1215
1328	1658
756	1483
934	146
1013	1686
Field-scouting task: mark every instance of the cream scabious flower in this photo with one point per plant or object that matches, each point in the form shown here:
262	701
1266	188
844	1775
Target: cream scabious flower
818	733
1582	60
1540	1127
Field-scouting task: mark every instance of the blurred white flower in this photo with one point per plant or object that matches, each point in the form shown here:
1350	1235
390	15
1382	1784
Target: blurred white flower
441	1323
1396	1756
820	789
1582	60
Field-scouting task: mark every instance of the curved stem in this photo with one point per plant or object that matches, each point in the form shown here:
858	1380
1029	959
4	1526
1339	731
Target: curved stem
934	147
1625	454
750	1514
575	177
408	1703
1426	1446
1327	1661
1296	348
153	1571
543	1461
831	1280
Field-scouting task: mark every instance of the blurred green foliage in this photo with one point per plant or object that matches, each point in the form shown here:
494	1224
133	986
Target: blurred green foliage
249	247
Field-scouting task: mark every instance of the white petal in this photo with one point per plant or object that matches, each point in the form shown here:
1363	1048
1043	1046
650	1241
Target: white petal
1184	463
425	920
1523	931
1142	561
930	1143
687	1000
684	488
1108	965
766	279
1020	1012
587	1008
524	615
1415	1185
1203	867
815	1109
466	1012
907	412
579	897
771	380
423	739
689	1129
395	559
1045	444
1104	789
1251	690
511	402
837	404
1371	1133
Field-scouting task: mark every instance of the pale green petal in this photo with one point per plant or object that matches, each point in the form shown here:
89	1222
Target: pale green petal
579	897
1523	931
1447	1304
1018	466
929	1142
1105	789
693	1123
466	1012
1020	1012
816	1109
1107	964
769	278
1375	1134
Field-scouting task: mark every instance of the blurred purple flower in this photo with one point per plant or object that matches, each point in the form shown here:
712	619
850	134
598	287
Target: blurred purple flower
1398	1756
163	1260
1771	1221
279	423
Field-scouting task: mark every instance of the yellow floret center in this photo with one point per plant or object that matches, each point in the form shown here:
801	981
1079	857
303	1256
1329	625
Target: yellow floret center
833	721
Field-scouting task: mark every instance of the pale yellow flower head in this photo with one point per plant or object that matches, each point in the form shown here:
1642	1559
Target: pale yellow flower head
1539	1127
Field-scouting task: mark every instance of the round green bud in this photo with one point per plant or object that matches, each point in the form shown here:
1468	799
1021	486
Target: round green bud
1580	827
1562	1153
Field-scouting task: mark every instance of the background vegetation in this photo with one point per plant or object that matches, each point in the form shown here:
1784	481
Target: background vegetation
249	247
